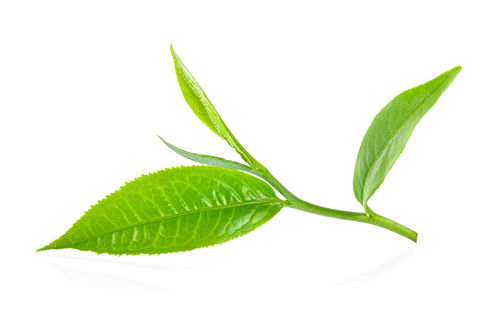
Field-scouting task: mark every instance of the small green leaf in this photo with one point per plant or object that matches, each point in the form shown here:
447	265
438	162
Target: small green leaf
203	108
390	130
172	210
209	160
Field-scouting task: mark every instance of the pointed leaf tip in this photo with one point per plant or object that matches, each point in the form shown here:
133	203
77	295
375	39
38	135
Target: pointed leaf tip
210	160
205	111
390	130
453	72
45	248
173	210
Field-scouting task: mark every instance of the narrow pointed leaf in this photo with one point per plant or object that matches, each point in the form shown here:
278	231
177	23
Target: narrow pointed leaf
209	159
390	130
203	108
173	210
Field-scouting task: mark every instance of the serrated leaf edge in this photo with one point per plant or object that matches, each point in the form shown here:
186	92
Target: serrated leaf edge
269	201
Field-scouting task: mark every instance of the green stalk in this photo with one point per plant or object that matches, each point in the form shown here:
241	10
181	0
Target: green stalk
373	218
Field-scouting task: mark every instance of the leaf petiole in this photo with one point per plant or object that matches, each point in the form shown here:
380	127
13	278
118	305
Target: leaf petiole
373	218
294	201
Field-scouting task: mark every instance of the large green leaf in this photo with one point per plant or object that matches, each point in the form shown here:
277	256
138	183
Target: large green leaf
173	210
390	130
203	108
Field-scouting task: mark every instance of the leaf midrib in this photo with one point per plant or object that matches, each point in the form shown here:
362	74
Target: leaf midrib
192	86
390	139
164	218
222	131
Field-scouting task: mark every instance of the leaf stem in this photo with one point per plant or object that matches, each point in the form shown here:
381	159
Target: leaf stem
373	218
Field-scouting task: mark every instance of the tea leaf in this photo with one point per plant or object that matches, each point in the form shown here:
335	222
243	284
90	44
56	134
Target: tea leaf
203	108
209	159
390	130
172	210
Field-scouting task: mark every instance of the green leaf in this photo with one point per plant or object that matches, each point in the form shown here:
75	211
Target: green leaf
390	130
203	108
172	210
209	159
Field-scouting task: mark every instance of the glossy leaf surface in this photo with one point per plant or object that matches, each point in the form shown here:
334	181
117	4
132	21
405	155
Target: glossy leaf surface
390	130
203	108
173	210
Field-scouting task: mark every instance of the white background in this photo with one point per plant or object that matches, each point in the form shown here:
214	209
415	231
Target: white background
85	87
